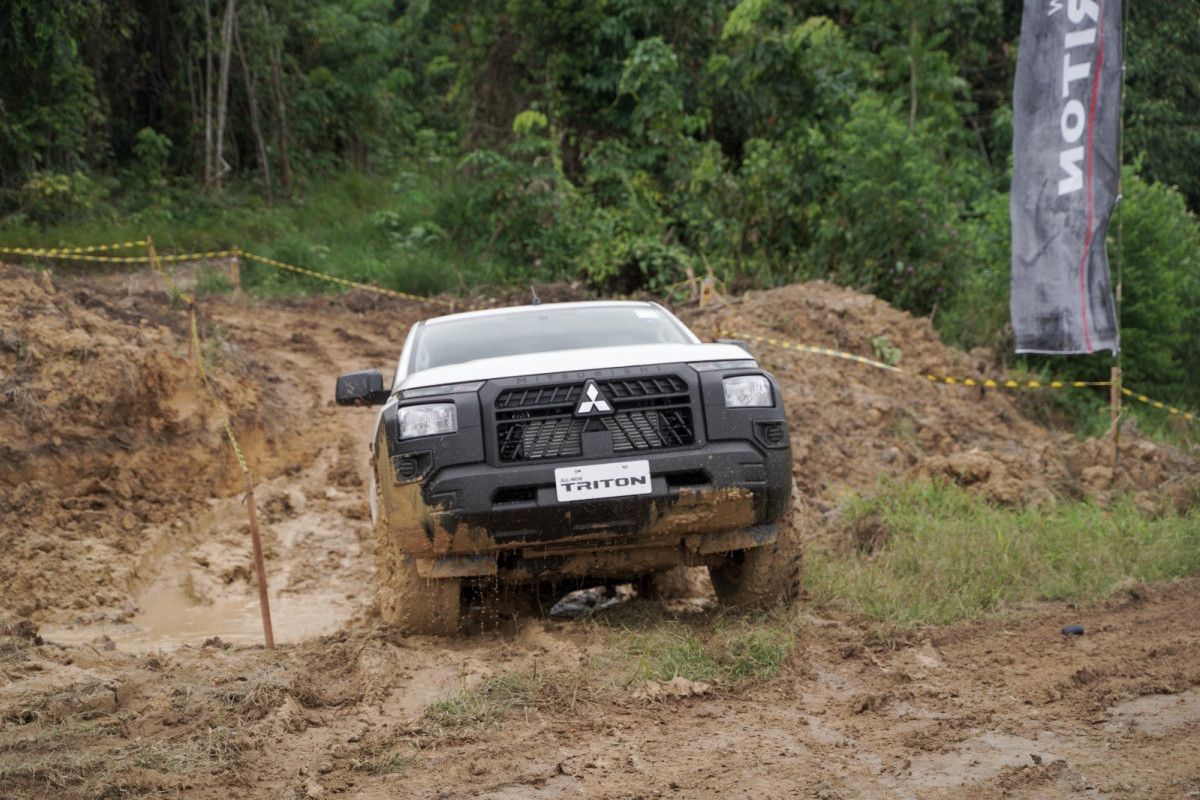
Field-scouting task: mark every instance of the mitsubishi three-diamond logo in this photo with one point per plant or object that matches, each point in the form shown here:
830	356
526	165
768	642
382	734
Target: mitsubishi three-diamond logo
593	402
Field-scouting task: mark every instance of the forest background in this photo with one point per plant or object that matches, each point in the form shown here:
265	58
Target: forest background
432	147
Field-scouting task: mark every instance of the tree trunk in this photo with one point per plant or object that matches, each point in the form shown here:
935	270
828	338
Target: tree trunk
223	93
252	98
285	161
208	95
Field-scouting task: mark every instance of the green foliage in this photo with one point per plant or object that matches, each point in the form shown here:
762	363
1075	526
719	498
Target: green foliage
1160	314
152	150
891	226
48	109
51	198
1162	119
621	141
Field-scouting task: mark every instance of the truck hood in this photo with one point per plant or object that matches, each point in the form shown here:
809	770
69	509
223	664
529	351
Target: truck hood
583	360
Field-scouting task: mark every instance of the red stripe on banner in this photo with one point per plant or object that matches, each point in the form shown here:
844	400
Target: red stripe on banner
1087	240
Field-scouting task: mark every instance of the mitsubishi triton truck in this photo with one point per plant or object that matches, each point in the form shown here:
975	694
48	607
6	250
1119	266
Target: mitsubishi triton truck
566	441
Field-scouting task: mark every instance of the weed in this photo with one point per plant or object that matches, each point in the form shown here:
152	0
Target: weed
885	351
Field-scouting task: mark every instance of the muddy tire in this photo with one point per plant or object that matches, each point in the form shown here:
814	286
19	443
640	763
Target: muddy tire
408	602
761	577
416	605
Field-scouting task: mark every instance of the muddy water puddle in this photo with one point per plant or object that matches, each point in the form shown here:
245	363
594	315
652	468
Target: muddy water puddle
201	585
169	617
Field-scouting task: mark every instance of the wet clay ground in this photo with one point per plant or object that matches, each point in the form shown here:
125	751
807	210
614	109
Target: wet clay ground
130	638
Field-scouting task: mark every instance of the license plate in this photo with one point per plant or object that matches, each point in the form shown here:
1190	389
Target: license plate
597	481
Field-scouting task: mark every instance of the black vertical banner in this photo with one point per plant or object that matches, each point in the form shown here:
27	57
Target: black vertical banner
1066	124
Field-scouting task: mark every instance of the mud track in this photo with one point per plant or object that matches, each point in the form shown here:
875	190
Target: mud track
129	629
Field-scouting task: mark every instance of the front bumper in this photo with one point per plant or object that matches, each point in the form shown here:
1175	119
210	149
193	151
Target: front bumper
467	519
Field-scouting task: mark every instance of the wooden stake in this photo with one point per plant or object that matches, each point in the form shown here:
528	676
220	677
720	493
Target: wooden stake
191	327
154	269
1116	418
235	272
691	282
260	570
707	288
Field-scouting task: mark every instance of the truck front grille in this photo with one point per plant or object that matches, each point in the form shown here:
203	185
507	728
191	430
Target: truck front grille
649	413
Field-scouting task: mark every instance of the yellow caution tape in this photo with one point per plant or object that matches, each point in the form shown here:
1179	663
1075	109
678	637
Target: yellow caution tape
810	349
343	281
154	263
237	451
60	251
135	259
1188	415
1009	384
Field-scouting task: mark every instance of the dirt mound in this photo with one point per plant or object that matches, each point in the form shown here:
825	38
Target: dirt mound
852	423
108	437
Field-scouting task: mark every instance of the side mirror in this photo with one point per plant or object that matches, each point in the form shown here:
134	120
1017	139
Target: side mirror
736	343
361	389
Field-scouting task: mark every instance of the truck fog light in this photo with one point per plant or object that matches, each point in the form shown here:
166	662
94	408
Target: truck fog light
428	420
774	434
747	391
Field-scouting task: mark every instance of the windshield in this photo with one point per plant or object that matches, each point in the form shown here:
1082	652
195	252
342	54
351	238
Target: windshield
454	341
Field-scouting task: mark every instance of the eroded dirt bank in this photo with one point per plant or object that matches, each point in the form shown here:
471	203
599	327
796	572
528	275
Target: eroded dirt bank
127	576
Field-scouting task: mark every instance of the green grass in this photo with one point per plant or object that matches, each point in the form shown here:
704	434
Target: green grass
357	227
733	652
485	704
949	556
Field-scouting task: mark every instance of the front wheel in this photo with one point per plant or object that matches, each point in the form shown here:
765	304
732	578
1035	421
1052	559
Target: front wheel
760	577
416	605
408	602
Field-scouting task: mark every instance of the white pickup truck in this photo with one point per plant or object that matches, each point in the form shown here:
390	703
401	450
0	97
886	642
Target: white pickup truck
550	442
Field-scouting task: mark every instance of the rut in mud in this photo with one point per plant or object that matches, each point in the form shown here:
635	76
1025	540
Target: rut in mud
127	577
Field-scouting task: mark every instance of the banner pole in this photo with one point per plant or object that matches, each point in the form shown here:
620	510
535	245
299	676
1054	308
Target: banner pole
1120	287
1116	419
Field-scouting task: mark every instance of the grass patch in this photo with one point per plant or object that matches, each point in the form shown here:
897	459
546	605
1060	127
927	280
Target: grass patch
733	652
485	704
940	555
91	770
386	763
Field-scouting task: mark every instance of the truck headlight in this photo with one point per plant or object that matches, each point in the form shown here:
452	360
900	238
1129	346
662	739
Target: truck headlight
428	420
747	391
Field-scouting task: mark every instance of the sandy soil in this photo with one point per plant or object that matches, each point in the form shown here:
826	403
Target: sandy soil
130	655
